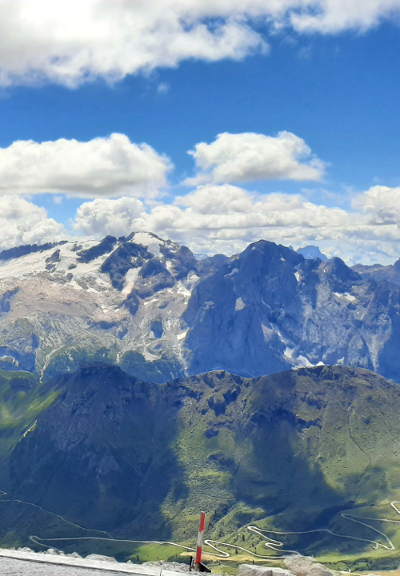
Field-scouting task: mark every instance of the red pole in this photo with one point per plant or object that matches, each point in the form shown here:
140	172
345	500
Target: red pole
199	549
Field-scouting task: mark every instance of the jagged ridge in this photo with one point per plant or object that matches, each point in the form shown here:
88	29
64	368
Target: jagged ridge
151	307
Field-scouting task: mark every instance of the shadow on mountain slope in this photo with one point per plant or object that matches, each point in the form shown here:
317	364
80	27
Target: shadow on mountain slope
102	454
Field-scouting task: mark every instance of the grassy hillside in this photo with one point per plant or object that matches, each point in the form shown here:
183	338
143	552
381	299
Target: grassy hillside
310	456
291	451
22	399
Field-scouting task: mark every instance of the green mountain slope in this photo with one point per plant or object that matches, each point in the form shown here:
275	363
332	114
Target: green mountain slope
314	450
22	399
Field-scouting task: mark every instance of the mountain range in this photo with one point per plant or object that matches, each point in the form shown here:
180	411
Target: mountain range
140	384
151	307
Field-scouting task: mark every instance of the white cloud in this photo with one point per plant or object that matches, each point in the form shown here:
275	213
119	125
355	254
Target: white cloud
111	166
22	222
333	16
248	156
105	216
227	218
381	204
217	200
70	42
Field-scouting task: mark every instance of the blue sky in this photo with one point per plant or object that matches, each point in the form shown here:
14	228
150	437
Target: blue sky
338	92
341	94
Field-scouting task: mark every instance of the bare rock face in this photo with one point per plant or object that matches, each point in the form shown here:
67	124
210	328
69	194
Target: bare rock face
254	570
118	300
306	566
151	307
170	566
296	565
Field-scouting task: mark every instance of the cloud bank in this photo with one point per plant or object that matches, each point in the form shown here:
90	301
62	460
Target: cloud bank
122	183
70	43
225	218
380	204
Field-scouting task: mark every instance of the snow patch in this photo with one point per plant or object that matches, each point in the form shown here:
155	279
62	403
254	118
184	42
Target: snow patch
298	361
67	268
181	288
182	335
288	354
345	296
149	356
239	304
130	279
268	332
150	241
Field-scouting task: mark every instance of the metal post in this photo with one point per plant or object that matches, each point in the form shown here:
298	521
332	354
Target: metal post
199	549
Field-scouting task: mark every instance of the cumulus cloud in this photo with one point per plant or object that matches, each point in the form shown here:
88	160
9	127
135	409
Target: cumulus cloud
381	204
22	222
111	166
248	156
226	218
333	16
107	216
217	200
73	42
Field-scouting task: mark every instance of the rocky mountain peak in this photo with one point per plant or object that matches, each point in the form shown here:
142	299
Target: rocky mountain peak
312	252
150	306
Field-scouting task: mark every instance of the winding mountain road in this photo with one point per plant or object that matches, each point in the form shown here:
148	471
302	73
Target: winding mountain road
217	548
